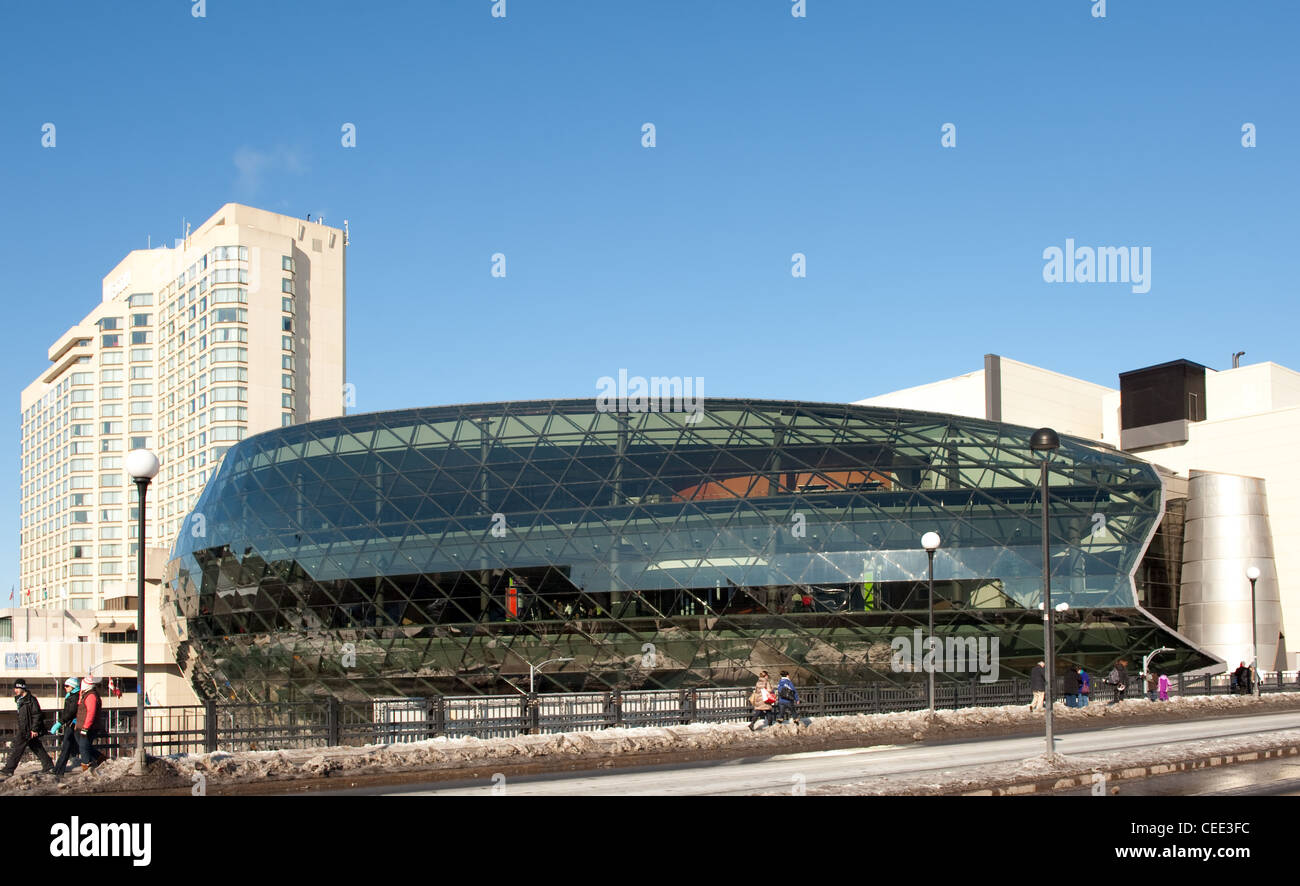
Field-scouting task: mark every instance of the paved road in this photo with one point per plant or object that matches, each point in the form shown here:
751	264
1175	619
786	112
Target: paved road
1272	778
785	772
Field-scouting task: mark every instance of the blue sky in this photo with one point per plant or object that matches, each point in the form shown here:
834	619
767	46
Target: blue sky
775	135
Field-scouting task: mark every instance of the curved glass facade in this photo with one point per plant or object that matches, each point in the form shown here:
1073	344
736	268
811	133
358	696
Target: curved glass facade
448	549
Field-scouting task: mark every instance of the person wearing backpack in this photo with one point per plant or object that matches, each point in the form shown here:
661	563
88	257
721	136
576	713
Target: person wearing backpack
1118	680
1085	687
786	698
31	726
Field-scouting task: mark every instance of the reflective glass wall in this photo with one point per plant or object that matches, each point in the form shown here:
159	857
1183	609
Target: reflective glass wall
446	549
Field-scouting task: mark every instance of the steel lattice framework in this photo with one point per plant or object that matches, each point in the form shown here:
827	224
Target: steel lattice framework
446	549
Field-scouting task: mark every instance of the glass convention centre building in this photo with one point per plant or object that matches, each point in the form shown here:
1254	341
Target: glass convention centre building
446	550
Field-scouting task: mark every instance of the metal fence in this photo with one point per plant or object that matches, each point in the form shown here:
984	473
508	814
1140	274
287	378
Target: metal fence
195	729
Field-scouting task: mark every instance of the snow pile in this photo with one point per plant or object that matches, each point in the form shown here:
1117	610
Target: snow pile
439	757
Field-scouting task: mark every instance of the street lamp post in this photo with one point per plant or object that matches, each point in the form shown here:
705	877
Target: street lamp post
142	465
930	541
532	669
1047	441
1253	574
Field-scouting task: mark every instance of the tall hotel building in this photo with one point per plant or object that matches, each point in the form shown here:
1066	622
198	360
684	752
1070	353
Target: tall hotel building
237	329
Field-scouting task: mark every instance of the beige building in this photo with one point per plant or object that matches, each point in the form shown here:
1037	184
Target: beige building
44	646
238	328
1226	437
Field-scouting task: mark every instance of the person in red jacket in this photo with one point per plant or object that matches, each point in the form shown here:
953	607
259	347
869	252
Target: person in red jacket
90	716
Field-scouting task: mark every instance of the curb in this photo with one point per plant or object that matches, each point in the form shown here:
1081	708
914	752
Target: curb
1052	783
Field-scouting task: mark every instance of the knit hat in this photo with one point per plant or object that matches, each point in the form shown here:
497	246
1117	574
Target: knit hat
20	684
90	680
72	683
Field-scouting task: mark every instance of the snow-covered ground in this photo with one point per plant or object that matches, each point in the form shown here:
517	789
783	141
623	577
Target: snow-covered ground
439	757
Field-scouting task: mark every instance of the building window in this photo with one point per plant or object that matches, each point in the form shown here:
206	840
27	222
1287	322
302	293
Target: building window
110	341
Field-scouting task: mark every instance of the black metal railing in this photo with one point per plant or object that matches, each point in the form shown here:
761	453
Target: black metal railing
205	728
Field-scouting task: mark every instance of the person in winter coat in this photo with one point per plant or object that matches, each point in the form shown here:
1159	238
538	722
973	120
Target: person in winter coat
1085	687
31	726
1241	679
1071	687
786	698
90	716
1118	680
1163	687
1038	686
1153	685
762	699
66	726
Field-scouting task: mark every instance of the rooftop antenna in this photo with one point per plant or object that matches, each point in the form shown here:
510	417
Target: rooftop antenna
1236	358
345	232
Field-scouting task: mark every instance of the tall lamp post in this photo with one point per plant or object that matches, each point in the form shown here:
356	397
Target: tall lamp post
142	465
1253	574
533	669
930	541
1047	441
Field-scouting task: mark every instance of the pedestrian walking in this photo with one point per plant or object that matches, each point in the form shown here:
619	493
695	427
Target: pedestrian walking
1085	687
762	699
1118	680
1071	687
1163	687
1241	679
31	726
65	728
1153	686
786	699
90	714
1038	686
